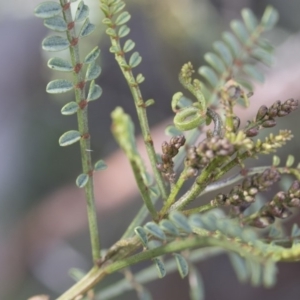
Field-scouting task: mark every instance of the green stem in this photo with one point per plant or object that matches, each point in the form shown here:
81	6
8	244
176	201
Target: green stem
174	192
198	186
82	119
141	112
150	273
199	209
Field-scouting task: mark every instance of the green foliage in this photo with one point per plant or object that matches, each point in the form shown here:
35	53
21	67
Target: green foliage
189	234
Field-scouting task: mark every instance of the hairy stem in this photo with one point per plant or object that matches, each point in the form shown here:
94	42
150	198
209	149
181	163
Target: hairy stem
82	119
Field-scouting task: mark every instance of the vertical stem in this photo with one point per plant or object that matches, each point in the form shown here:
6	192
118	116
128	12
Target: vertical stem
82	118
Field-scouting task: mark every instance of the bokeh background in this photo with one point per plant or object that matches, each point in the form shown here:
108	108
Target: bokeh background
43	227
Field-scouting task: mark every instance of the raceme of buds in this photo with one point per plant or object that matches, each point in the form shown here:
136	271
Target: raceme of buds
200	156
170	150
279	206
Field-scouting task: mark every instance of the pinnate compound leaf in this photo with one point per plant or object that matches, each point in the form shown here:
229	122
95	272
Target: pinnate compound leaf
123	31
56	23
161	270
93	71
182	265
47	9
87	28
69	138
123	18
70	108
100	165
155	230
142	235
140	78
92	56
135	59
59	86
269	18
55	43
82	12
60	64
95	91
82	180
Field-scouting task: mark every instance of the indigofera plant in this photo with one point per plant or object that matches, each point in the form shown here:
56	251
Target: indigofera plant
205	229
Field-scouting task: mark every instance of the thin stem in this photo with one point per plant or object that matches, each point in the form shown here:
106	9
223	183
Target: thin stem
82	119
199	209
150	273
141	112
174	192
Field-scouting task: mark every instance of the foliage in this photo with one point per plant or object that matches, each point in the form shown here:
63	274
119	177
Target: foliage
189	234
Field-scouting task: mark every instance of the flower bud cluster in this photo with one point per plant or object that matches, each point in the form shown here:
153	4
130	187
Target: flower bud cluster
265	117
241	196
279	206
170	150
200	156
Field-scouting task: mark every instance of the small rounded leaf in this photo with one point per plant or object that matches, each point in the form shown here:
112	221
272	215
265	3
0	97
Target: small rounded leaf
240	31
87	28
82	180
249	19
290	161
59	86
56	23
224	53
128	46
180	221
169	227
142	235
117	7
60	64
252	71
47	9
93	71
269	18
123	31
100	165
55	43
209	74
215	62
182	265
92	56
135	59
123	18
155	230
82	12
140	78
160	267
95	91
70	108
69	138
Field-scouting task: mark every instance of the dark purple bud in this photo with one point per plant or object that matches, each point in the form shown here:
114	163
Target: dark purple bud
269	123
295	202
282	113
165	147
263	110
252	132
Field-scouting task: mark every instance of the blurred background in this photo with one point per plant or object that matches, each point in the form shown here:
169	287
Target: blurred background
43	227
